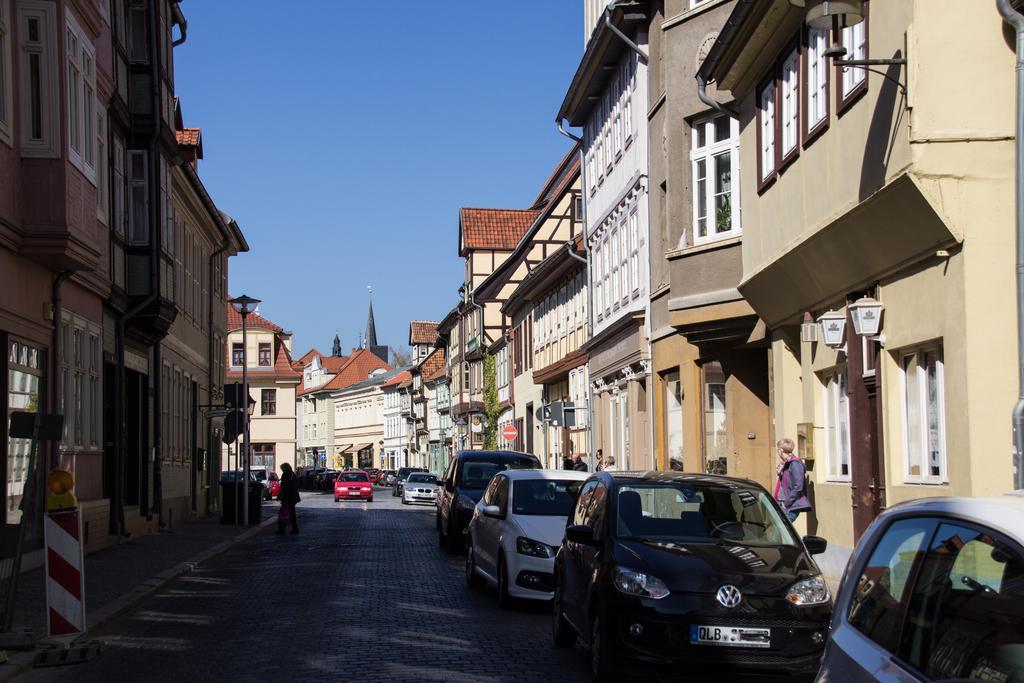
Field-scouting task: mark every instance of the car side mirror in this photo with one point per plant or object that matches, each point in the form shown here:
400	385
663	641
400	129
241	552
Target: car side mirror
815	545
580	533
491	510
448	486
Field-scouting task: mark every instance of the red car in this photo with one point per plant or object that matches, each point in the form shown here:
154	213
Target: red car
354	485
274	487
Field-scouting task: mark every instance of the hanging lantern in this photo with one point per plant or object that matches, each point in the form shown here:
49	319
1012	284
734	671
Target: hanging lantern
824	14
866	314
833	325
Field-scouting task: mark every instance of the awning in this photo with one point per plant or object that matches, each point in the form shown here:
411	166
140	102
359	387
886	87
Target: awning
363	446
342	449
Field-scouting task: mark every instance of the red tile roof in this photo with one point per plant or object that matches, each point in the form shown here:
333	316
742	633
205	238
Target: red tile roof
357	368
422	332
252	321
492	228
310	355
397	379
436	375
432	363
188	136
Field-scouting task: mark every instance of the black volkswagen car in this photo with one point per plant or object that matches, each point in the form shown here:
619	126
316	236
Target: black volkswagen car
462	485
700	573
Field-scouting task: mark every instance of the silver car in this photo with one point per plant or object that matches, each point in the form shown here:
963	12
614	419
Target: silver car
420	487
934	591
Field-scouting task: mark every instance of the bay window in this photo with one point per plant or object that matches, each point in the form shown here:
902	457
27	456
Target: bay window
81	84
924	418
37	82
715	149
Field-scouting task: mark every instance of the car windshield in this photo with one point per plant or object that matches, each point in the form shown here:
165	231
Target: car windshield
549	497
700	512
421	479
260	474
353	476
476	473
404	472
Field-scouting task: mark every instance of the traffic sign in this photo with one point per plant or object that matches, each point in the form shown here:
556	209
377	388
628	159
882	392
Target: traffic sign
509	433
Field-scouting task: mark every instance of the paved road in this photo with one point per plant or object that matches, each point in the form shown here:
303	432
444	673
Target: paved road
310	607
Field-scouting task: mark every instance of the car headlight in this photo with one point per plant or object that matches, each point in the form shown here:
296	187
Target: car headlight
528	546
633	582
812	591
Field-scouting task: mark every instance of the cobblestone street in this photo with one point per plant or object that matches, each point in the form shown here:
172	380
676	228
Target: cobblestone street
363	593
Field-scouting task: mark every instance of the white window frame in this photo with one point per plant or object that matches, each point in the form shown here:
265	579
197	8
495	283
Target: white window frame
138	234
82	391
913	358
789	105
616	263
624	259
6	82
80	72
816	90
708	153
102	168
606	275
47	144
766	124
634	252
854	39
832	383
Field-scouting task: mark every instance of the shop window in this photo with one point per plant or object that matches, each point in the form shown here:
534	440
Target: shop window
25	368
673	420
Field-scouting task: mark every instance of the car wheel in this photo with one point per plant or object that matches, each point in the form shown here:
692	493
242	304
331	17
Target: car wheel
561	631
404	501
602	661
453	542
335	499
504	599
473	579
394	493
370	499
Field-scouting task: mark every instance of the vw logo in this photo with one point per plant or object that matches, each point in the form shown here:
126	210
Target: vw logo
729	596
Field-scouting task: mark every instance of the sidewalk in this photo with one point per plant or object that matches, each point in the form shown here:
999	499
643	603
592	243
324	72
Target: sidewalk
118	577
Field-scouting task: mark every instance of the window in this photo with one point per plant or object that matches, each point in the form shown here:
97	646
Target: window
716	436
924	416
766	131
263	456
598	283
624	259
634	251
815	85
714	149
37	68
616	88
81	83
102	169
837	426
880	600
80	382
606	273
673	419
609	158
264	351
789	105
964	621
237	354
167	234
615	264
853	80
138	197
268	402
6	91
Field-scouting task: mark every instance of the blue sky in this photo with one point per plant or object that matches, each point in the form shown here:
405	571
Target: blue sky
343	139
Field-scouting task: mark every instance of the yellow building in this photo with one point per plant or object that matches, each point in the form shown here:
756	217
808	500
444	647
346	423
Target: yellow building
895	185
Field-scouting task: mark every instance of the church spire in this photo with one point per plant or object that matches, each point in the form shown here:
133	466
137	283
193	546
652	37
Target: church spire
336	349
370	339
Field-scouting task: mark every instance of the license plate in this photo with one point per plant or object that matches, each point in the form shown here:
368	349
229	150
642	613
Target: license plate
353	493
730	636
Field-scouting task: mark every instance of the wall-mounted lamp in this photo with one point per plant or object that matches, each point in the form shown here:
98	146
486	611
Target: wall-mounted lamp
837	15
866	314
833	325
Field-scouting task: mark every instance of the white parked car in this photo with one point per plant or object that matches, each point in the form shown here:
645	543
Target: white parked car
516	528
420	487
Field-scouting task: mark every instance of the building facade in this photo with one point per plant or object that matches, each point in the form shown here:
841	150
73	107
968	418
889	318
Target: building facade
607	99
914	216
359	420
394	422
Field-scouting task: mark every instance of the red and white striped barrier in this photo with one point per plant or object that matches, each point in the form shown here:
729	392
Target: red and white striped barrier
65	580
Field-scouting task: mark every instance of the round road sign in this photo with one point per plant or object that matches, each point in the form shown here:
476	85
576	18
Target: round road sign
509	433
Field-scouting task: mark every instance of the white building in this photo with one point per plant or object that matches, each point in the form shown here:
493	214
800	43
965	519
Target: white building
394	422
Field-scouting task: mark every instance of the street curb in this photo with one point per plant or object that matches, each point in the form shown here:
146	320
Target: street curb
21	662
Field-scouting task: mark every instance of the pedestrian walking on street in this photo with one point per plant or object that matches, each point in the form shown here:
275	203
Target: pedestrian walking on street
289	496
791	487
609	464
578	464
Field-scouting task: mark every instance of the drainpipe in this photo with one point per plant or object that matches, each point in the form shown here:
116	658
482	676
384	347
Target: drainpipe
179	19
154	258
622	36
702	94
479	343
55	370
1016	20
592	455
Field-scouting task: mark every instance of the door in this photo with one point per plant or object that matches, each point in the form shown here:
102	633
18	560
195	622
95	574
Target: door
529	428
867	462
487	530
592	555
573	572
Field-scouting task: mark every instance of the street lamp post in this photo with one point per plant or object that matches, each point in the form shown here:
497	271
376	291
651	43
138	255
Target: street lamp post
245	305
